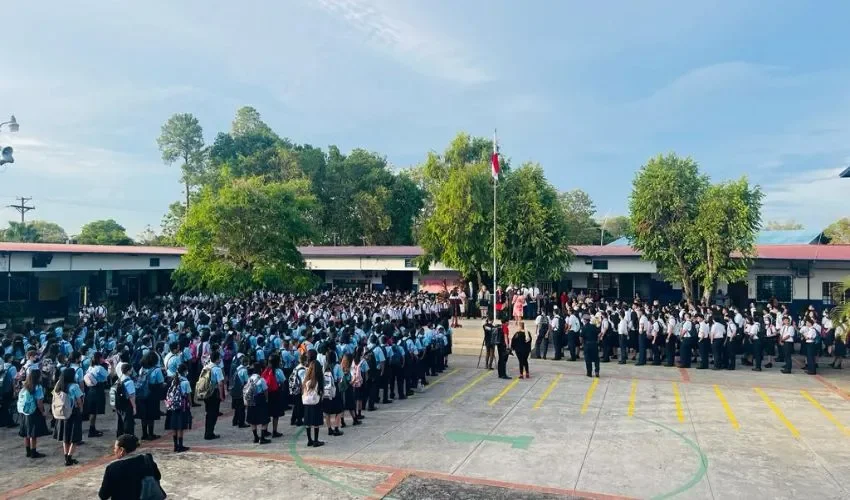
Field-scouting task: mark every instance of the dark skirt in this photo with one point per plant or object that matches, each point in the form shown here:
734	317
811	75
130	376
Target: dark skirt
769	344
350	402
147	409
178	420
33	426
840	348
362	393
332	406
313	415
95	403
276	404
70	430
259	413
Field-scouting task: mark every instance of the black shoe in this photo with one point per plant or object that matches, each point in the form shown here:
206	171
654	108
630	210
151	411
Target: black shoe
402	398
357	422
700	368
621	362
640	364
210	438
220	414
94	433
597	374
181	449
276	435
343	424
310	444
266	433
36	454
589	375
371	408
145	437
388	402
338	432
195	405
316	444
786	371
29	452
264	441
756	369
154	437
769	365
243	426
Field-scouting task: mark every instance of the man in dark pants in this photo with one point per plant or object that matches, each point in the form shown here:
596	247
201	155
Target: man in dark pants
718	334
501	342
385	380
213	403
731	343
704	337
573	334
644	327
810	336
541	344
685	348
606	335
758	350
657	341
623	337
557	330
590	339
787	339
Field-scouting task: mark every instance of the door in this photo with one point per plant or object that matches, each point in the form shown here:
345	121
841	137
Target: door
133	289
738	293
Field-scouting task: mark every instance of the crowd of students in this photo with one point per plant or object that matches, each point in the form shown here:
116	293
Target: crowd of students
318	356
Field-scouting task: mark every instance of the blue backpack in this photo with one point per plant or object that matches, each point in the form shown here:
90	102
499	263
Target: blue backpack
396	357
142	385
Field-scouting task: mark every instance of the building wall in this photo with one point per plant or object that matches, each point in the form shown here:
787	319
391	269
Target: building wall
22	262
366	264
615	265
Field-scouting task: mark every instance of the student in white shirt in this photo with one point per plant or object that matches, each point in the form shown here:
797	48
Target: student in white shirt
704	342
810	337
731	343
686	349
718	332
623	337
786	340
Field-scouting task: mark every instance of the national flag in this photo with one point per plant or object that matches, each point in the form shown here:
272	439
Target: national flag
494	160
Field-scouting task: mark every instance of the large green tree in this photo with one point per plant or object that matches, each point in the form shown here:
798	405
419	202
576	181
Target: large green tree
838	233
20	232
578	210
104	232
615	227
49	232
182	138
663	206
244	236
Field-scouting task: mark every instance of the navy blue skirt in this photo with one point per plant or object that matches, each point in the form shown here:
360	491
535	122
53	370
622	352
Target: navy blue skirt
178	420
33	426
277	405
259	413
313	415
95	402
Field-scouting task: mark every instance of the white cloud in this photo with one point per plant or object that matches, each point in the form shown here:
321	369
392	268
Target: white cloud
410	42
814	198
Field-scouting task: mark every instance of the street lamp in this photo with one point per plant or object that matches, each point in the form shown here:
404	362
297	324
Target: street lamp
12	123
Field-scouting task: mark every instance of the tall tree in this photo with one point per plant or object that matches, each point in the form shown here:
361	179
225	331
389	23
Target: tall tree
49	232
183	138
248	122
615	227
244	236
728	220
21	232
838	233
778	225
171	222
578	210
104	232
663	206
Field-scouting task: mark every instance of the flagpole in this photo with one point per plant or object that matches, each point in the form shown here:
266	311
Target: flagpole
495	183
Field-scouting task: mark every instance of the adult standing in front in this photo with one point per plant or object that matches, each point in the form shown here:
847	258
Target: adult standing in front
521	345
490	348
573	334
500	340
213	402
590	338
122	479
541	344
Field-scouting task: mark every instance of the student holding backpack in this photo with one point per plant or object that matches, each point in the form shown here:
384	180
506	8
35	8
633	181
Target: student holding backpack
95	383
122	395
331	395
296	384
31	408
347	388
359	371
149	389
275	380
256	398
210	388
311	398
178	410
238	379
67	407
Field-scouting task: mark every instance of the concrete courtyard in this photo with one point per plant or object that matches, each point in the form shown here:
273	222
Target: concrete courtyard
637	432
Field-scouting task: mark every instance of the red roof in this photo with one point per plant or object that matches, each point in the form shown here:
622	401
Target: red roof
91	249
803	252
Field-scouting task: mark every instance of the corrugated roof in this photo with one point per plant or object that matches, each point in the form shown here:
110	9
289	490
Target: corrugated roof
788	237
92	249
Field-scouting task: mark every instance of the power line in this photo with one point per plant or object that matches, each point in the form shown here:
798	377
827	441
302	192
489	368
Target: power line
23	208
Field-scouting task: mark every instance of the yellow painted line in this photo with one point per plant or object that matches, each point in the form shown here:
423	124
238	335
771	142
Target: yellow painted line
680	412
468	386
769	402
728	409
441	378
504	391
548	391
632	398
589	396
826	413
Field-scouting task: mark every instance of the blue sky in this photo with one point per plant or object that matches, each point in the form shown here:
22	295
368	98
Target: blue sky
588	89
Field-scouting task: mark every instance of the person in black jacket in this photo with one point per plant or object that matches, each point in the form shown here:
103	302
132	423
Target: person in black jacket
590	341
122	479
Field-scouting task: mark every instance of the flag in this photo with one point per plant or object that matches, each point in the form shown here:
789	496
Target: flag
494	160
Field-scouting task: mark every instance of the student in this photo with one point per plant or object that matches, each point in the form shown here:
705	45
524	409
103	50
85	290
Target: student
521	345
277	404
490	357
212	403
149	388
839	348
349	399
31	408
122	479
126	406
95	383
770	340
359	372
311	398
331	395
295	387
238	379
67	410
786	341
256	395
810	336
178	415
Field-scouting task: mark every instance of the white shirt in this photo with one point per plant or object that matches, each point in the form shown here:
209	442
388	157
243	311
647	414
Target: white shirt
703	330
753	330
731	330
623	327
717	331
788	333
686	329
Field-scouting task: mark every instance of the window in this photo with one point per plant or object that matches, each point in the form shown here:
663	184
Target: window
19	288
830	288
769	287
154	262
408	263
600	265
41	260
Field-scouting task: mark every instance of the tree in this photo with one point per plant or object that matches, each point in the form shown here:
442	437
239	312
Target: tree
838	233
244	236
578	210
248	122
21	232
663	206
840	314
49	232
183	138
170	224
103	232
727	223
615	227
775	225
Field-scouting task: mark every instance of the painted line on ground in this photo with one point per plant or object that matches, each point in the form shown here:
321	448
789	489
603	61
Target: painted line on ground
728	409
680	412
832	387
390	483
826	413
632	398
548	391
504	391
589	396
468	386
441	378
781	416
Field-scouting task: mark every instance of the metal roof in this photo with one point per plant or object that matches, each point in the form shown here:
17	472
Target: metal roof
785	237
90	249
364	251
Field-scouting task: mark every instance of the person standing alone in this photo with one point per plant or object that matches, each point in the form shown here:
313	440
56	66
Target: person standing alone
590	341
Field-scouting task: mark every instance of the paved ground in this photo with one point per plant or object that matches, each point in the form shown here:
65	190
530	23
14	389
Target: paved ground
639	432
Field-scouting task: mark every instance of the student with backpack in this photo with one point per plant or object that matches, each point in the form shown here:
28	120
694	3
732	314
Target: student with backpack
296	384
349	399
123	396
238	379
275	380
67	407
359	374
331	395
31	408
256	398
311	397
178	412
95	385
149	389
210	388
8	374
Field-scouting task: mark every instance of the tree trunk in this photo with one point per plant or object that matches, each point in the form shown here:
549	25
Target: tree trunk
187	195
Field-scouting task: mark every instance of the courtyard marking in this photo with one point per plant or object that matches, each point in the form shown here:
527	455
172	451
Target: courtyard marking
589	396
504	391
632	397
548	391
441	378
519	442
826	413
728	409
680	412
467	387
781	416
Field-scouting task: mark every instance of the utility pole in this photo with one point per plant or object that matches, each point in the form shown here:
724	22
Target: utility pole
23	208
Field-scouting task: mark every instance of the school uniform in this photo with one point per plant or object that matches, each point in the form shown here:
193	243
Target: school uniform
126	423
149	387
787	337
277	404
333	405
180	419
757	340
731	345
297	417
670	342
810	337
840	346
70	430
623	338
213	403
95	402
33	424
311	399
258	414
238	379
